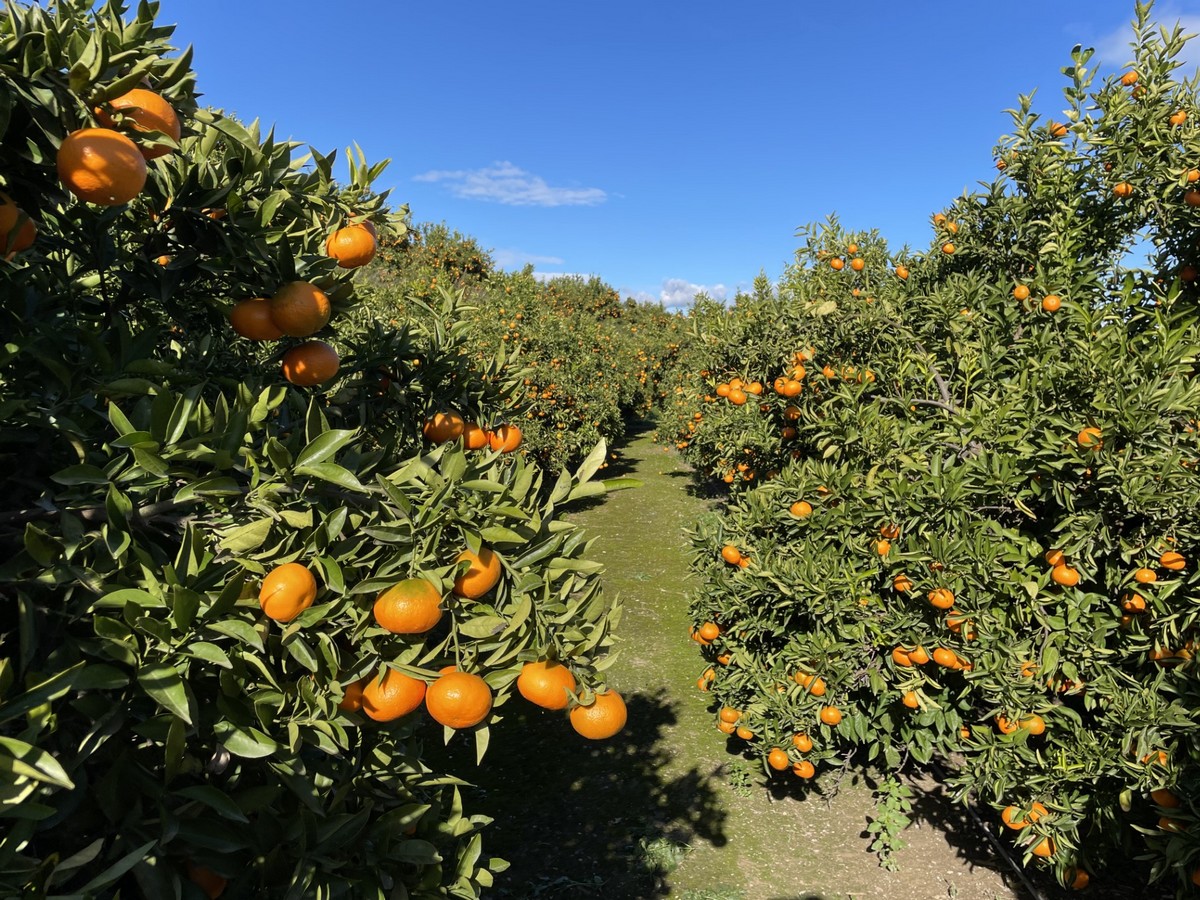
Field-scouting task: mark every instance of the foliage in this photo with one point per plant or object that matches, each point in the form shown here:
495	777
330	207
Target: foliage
941	445
159	735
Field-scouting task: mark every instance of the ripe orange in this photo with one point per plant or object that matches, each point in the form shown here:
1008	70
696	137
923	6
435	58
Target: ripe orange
300	309
1065	575
17	230
1129	79
1021	292
948	248
287	591
1034	724
901	658
941	598
1145	576
310	363
902	584
604	718
1010	816
459	700
1006	725
802	742
505	438
474	437
1090	438
443	426
1172	561
852	248
1192	198
212	884
1123	189
919	656
101	166
710	631
831	715
1133	604
411	606
731	554
1044	848
1076	879
352	246
392	694
777	759
891	531
737	396
352	695
729	714
910	700
837	263
883	548
800	509
1051	303
804	769
252	319
857	264
146	111
745	734
945	658
1055	558
482	574
726	727
1058	130
1165	798
902	272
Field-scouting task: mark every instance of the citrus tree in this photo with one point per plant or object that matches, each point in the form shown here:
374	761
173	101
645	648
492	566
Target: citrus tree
253	554
984	547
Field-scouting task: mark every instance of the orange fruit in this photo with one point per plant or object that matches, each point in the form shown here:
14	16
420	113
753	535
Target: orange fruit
287	591
1129	78
1058	130
1055	558
1010	816
729	714
474	437
1165	798
801	509
831	715
1090	438
883	548
1123	189
1044	848
1076	879
146	111
352	246
857	264
901	658
300	308
948	248
17	230
726	727
941	598
1021	292
1173	561
1034	724
804	769
310	363
802	742
737	396
505	438
411	606
459	700
777	759
1145	576
1006	725
1051	303
731	554
444	426
919	656
902	272
392	694
252	319
1133	604
352	696
482	574
946	658
891	531
212	884
902	584
745	734
837	263
1064	575
910	700
101	166
604	718
710	631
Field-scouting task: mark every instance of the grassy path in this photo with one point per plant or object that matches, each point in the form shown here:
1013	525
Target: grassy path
651	813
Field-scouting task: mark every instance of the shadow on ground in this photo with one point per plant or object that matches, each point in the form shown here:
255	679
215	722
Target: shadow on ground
579	818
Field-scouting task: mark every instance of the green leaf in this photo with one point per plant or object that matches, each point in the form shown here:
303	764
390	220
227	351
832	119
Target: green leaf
334	474
209	653
117	869
236	628
249	743
43	692
214	799
164	684
482	626
247	537
324	446
31	762
82	474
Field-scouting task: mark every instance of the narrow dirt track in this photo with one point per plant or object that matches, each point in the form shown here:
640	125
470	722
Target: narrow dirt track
651	812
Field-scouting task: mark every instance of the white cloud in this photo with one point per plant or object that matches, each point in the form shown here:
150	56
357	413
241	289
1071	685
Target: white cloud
678	292
507	258
503	182
1113	49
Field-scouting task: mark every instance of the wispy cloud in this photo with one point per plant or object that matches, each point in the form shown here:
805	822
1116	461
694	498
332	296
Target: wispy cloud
503	182
1113	48
507	258
678	292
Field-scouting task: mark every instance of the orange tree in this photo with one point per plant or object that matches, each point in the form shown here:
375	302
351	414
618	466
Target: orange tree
986	546
237	555
585	361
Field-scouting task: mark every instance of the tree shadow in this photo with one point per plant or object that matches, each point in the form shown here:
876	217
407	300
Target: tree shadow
580	818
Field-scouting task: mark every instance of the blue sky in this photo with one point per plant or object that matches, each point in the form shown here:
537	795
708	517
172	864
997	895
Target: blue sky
665	146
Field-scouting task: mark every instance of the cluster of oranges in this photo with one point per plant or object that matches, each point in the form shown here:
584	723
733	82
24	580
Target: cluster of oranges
449	425
456	699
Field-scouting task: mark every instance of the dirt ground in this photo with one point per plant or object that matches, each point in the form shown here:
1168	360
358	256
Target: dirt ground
653	812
